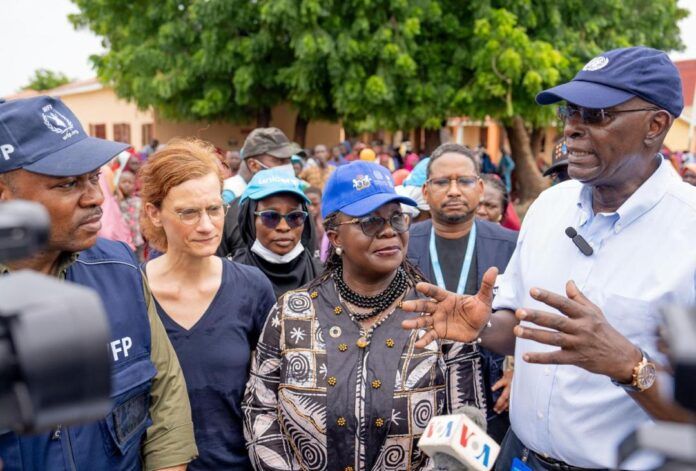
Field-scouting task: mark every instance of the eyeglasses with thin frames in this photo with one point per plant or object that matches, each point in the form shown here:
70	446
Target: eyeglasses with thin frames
373	225
192	216
593	115
443	184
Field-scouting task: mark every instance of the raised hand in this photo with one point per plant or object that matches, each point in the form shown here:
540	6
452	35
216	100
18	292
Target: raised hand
451	316
585	337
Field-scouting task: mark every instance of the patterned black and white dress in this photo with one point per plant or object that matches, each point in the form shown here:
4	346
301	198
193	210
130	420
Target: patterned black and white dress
324	394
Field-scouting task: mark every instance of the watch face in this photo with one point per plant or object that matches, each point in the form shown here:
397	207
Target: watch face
646	376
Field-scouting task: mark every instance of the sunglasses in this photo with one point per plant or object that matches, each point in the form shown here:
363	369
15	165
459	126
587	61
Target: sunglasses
271	218
592	115
373	225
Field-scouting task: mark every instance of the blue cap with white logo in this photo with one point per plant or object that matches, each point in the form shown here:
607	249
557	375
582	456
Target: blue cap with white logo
273	181
42	135
359	188
619	75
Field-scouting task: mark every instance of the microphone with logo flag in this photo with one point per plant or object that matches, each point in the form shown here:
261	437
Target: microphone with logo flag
458	442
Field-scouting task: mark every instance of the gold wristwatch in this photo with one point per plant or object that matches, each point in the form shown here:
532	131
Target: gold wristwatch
644	375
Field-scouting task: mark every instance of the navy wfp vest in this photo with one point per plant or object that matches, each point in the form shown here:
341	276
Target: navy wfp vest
112	443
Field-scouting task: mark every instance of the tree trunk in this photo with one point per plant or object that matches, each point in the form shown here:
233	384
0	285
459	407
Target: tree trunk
417	144
536	139
301	125
263	118
529	178
432	140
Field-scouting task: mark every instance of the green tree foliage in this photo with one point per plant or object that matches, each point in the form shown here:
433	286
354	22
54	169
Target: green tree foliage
520	47
374	64
44	79
208	60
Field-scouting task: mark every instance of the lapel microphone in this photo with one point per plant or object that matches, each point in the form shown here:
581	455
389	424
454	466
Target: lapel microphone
579	242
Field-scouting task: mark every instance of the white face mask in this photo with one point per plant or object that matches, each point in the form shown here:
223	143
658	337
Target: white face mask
272	257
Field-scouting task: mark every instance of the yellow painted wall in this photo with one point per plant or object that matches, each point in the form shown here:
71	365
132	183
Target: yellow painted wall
677	138
220	133
103	107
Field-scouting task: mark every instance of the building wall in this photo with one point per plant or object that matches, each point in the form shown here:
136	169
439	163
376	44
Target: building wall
677	138
231	136
104	107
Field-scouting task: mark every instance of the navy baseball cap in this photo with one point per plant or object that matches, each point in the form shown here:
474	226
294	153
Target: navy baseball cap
41	135
359	188
617	76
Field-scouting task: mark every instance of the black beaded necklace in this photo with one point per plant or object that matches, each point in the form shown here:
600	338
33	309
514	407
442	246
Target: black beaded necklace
378	303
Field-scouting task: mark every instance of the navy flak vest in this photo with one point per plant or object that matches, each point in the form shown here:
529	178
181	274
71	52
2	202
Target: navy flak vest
114	442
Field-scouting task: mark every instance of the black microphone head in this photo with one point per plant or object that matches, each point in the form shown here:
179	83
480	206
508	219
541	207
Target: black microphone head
571	232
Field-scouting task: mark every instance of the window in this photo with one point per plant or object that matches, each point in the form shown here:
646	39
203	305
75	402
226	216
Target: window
122	133
147	134
97	130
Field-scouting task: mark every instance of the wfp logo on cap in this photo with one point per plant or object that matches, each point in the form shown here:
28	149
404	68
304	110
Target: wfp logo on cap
57	122
596	64
6	150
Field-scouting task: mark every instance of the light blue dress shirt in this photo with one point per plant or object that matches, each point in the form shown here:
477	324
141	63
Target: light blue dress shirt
644	258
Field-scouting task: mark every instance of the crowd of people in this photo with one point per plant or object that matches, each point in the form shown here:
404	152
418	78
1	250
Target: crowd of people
291	309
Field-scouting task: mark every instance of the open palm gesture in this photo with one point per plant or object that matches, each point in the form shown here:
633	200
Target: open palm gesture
451	316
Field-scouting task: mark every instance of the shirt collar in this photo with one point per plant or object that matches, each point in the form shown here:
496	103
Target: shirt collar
641	201
64	261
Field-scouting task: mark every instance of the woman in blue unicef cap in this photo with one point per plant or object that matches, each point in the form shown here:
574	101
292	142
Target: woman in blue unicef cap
335	382
276	233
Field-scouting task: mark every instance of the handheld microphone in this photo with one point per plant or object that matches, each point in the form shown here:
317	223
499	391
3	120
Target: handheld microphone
459	442
579	242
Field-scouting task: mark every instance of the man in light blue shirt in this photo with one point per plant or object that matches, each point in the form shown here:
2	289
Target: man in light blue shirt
587	377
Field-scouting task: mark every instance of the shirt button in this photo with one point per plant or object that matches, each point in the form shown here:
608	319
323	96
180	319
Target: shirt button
540	415
341	422
379	422
376	384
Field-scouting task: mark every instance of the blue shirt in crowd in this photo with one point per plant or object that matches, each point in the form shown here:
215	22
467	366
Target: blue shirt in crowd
214	356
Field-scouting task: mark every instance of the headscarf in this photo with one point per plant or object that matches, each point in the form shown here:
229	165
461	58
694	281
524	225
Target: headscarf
368	155
411	161
283	276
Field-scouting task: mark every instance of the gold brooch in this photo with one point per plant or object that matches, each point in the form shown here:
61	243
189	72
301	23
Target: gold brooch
342	347
332	381
341	422
376	384
390	343
338	310
379	422
313	295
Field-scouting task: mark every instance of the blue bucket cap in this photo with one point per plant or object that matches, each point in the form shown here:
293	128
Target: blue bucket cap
273	181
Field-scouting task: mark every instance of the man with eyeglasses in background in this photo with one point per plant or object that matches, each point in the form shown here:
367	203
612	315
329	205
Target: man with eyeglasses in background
454	249
589	377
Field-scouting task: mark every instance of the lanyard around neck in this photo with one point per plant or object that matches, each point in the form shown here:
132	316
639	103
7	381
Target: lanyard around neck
466	265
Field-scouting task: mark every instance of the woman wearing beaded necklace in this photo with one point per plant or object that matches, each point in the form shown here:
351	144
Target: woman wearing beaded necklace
336	383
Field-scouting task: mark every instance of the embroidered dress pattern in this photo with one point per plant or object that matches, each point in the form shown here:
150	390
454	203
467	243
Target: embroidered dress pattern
306	396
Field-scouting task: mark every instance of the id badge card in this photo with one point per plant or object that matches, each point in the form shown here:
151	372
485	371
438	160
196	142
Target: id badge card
519	465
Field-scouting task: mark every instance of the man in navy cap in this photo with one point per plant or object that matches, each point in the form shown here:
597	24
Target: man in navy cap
46	157
596	258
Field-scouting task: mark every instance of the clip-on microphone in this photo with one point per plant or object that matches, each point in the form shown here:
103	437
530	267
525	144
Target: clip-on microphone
579	242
